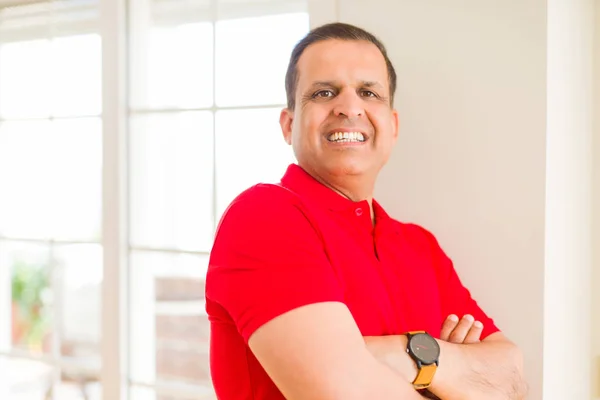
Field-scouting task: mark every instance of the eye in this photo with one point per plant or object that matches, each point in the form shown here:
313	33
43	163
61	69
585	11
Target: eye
323	94
368	93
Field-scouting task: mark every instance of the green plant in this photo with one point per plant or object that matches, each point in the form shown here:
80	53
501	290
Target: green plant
30	286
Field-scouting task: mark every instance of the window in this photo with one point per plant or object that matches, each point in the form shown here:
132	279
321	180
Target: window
206	85
50	202
206	91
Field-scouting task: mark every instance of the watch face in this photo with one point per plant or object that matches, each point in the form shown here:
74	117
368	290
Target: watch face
425	348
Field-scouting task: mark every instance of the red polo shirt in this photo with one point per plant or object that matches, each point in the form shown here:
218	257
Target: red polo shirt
282	247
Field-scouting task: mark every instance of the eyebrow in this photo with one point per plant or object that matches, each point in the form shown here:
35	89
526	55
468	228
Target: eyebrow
371	84
368	84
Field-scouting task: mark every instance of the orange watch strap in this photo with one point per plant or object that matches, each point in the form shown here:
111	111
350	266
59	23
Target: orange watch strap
425	376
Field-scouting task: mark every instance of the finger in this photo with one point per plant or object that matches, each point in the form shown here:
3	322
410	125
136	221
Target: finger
474	333
448	326
460	332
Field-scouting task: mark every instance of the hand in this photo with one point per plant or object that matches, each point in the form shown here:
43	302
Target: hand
465	331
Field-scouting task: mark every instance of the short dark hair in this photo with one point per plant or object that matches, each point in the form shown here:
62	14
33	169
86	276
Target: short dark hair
339	31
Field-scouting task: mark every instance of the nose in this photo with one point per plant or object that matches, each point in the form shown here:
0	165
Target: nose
349	104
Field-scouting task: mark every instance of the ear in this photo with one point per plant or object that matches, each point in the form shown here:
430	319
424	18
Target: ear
286	119
395	124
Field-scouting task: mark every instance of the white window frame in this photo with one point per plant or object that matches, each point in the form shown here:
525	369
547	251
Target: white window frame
113	30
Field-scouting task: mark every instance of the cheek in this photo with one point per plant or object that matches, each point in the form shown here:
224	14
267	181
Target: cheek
313	121
383	123
302	131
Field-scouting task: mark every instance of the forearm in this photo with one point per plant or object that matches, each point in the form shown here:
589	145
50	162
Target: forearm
376	381
490	370
474	371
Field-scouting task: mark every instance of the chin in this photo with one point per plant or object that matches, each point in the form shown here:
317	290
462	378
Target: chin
347	169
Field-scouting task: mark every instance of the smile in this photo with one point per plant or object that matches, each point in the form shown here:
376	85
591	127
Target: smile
341	137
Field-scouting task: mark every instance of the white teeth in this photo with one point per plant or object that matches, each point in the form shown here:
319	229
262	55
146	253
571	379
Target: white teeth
346	137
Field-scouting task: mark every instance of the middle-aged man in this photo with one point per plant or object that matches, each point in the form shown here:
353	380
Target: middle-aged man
313	291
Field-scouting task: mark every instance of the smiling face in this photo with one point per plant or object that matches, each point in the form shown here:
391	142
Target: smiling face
343	126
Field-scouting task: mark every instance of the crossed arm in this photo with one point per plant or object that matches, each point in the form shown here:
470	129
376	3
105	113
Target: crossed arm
317	352
469	369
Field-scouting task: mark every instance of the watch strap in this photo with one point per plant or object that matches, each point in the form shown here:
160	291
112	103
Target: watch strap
412	333
424	376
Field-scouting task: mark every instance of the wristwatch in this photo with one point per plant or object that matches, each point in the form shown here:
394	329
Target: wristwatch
425	351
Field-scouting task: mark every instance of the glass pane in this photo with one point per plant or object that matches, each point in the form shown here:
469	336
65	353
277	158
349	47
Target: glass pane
53	304
252	56
78	306
50	178
173	67
31	301
141	393
33	380
250	149
171	181
25	79
76	75
168	319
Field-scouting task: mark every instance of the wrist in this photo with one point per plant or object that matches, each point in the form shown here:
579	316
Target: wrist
449	352
408	366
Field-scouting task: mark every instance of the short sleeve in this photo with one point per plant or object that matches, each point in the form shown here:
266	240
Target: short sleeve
455	297
268	259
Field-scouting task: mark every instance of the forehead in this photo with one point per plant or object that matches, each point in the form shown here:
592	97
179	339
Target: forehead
344	61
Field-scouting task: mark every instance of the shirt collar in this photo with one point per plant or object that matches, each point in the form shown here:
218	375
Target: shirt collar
301	182
380	213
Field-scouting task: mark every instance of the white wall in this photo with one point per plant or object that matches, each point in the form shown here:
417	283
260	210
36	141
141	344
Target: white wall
596	211
484	107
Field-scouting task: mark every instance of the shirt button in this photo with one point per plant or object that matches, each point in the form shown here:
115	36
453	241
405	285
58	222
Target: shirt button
358	211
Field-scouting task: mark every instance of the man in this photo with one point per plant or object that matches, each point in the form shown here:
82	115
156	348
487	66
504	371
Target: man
313	291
